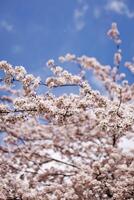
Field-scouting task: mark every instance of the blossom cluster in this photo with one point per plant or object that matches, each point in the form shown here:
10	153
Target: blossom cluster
62	76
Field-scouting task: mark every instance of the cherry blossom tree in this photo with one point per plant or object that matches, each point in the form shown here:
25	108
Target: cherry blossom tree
67	147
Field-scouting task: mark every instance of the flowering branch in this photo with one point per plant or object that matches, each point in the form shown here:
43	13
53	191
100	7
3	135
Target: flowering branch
68	146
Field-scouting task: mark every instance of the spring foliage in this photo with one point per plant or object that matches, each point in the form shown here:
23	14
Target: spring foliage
67	147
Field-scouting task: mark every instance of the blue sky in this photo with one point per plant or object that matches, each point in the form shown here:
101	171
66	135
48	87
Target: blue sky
33	31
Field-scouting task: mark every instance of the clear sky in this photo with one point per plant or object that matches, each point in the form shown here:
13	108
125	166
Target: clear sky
33	31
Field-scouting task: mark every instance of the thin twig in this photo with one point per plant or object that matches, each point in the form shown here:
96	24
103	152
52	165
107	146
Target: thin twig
44	84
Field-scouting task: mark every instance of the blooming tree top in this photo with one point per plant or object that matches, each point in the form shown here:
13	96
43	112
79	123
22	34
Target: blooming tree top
67	147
